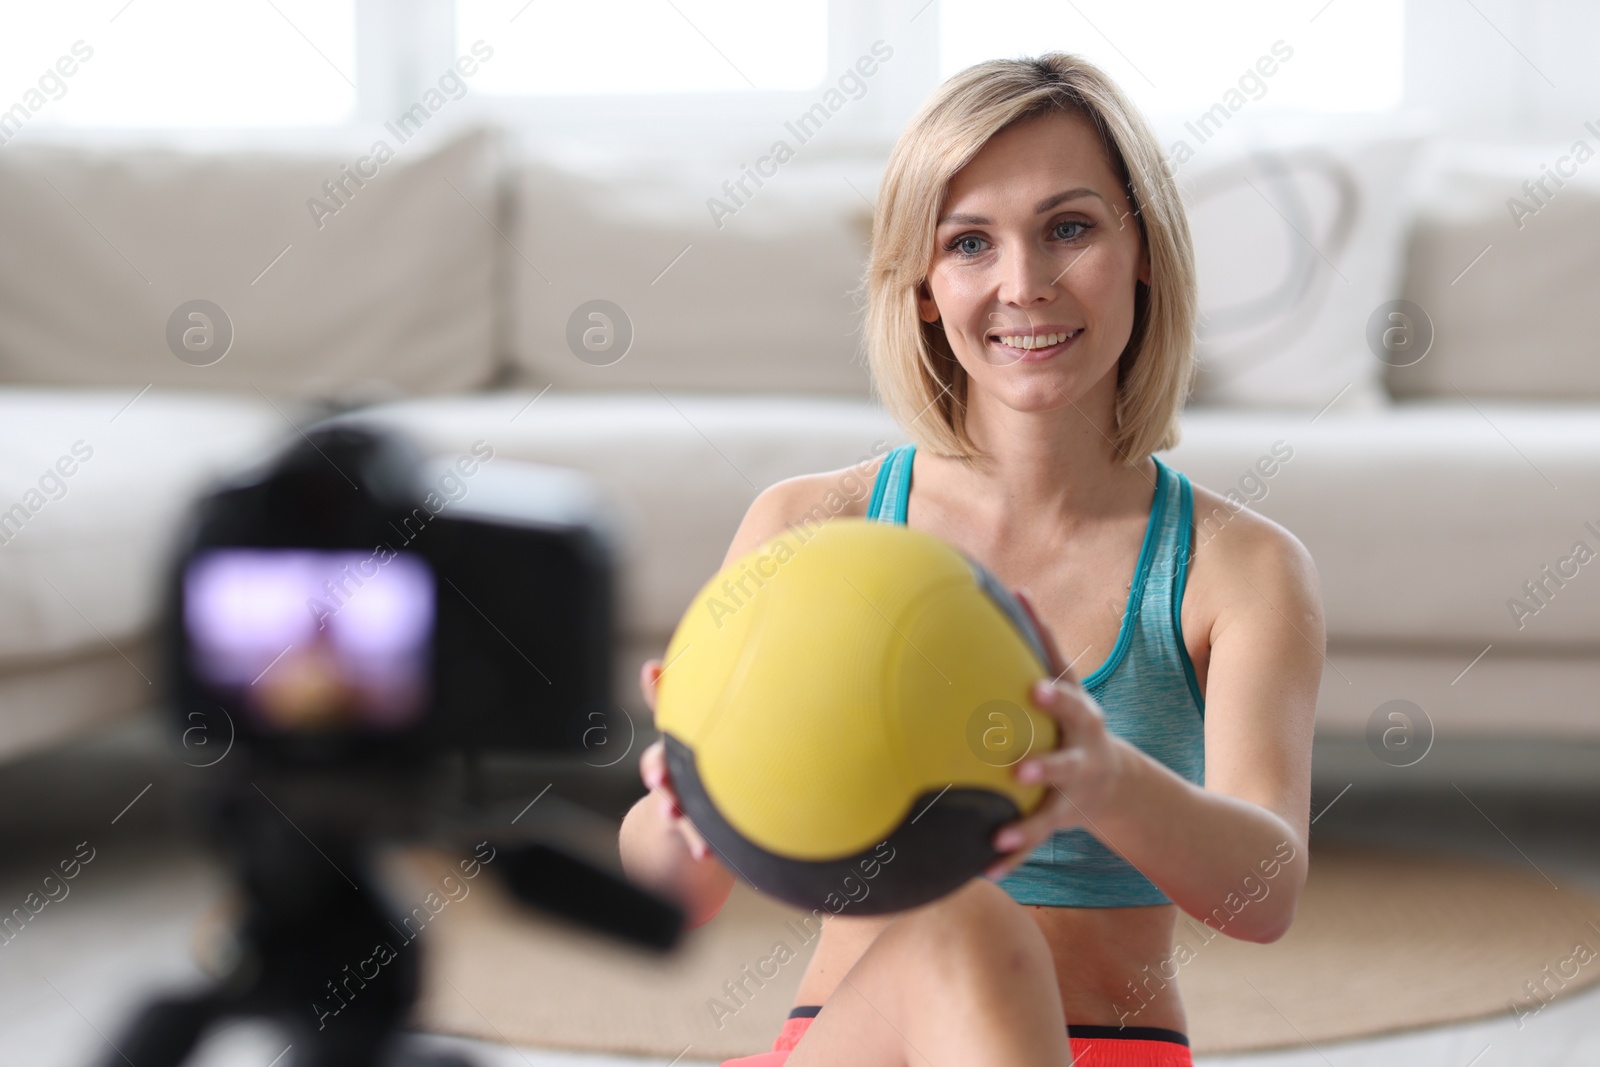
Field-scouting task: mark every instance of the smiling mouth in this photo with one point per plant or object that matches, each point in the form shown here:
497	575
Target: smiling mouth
1035	342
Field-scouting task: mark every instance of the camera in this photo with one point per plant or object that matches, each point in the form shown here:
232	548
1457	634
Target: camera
352	603
349	626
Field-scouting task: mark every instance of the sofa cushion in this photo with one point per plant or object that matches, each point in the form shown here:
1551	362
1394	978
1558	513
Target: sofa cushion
1506	275
1423	519
1426	519
392	293
1299	235
761	300
93	485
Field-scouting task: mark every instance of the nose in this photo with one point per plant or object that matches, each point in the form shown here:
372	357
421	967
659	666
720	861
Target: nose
1027	277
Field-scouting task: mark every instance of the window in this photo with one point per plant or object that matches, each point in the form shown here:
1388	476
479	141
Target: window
1177	56
647	46
691	75
179	63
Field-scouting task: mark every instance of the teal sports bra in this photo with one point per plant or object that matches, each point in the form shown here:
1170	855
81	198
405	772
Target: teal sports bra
1146	687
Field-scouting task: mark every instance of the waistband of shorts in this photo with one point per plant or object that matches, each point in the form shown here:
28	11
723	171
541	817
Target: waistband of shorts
1086	1032
1128	1033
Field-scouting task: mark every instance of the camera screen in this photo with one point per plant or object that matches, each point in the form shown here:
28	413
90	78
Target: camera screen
309	641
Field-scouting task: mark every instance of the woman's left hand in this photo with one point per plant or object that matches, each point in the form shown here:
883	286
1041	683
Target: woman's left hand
1080	775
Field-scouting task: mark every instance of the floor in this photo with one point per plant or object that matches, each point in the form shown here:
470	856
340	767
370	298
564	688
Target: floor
125	925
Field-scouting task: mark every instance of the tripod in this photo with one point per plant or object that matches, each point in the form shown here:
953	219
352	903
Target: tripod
322	952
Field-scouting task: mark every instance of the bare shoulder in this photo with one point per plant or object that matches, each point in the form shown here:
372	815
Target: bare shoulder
1245	563
805	498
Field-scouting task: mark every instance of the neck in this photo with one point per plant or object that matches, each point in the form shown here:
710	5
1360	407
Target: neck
1056	465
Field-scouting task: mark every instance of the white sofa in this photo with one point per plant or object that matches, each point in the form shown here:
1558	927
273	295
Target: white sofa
438	300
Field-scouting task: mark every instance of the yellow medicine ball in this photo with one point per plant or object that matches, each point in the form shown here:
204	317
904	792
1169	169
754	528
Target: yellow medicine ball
843	709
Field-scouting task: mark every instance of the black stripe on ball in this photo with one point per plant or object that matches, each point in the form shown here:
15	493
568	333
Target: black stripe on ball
942	844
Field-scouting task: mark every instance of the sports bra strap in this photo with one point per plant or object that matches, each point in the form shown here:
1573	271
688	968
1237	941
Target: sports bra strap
893	486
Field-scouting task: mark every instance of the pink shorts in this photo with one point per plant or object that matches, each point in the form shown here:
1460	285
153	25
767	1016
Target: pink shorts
1114	1046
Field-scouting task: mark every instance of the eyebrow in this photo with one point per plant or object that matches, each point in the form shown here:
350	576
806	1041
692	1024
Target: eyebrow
1038	209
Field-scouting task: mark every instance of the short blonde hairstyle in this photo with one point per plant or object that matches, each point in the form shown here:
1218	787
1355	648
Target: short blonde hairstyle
913	369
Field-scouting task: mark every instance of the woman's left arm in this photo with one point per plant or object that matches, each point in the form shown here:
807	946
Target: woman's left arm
1232	854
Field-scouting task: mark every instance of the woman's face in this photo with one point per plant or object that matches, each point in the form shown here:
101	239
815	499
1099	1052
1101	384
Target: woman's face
1034	263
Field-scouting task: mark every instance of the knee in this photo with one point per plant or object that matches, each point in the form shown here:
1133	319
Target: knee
981	910
979	900
980	924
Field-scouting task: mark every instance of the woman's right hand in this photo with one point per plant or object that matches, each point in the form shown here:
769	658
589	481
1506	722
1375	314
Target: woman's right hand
653	770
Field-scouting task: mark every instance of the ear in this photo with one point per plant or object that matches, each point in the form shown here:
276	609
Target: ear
927	310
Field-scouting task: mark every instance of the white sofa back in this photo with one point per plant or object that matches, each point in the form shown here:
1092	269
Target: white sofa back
1508	273
760	301
370	286
728	285
446	269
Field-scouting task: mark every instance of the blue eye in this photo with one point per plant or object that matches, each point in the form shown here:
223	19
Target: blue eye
1081	226
968	245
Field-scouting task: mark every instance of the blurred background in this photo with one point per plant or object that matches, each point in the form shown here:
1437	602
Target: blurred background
626	237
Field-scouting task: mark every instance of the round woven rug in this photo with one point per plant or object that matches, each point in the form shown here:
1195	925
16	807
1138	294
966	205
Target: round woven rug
1383	941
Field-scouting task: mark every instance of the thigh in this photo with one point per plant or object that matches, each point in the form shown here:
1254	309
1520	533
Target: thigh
967	980
854	1029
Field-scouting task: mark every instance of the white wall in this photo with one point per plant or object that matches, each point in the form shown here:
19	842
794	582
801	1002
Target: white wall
1504	69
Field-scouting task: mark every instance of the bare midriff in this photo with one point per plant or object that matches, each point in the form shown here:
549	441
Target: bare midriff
1109	962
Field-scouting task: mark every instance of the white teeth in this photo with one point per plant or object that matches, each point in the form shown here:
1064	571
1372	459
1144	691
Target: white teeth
1043	340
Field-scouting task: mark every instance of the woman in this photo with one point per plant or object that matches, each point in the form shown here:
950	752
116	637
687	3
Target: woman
1031	302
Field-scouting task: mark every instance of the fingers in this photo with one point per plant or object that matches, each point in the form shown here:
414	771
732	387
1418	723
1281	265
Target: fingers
674	815
653	770
1016	841
1082	726
1077	772
653	765
697	844
1063	769
1028	833
649	681
1077	712
1000	868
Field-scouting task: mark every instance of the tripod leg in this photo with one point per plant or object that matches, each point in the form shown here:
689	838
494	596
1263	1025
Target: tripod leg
389	1049
165	1032
411	1056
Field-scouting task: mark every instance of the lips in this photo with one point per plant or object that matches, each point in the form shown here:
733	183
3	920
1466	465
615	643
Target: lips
1036	343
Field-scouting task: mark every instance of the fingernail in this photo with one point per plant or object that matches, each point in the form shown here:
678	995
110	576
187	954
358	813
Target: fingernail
1030	771
1042	691
1008	840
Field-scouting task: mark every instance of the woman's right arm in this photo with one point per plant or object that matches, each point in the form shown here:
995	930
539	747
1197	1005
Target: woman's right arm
660	848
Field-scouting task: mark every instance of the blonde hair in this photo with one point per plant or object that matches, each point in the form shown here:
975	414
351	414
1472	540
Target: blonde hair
913	369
